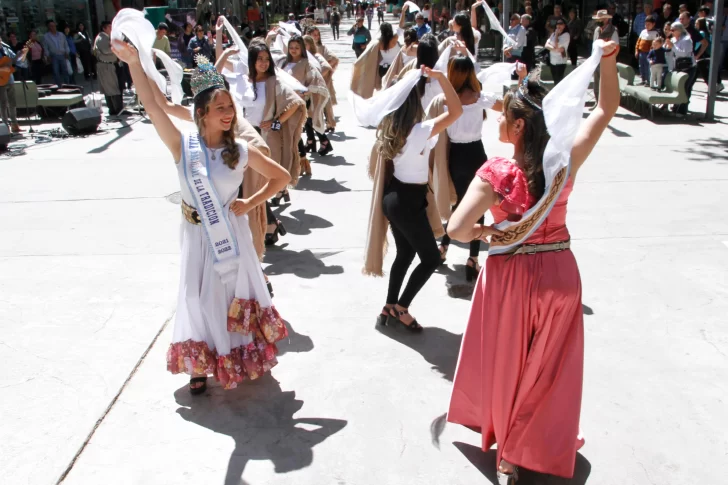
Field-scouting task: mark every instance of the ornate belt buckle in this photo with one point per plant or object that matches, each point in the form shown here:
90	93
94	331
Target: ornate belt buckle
530	249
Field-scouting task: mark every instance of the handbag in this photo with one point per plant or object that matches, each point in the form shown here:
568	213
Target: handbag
79	65
683	64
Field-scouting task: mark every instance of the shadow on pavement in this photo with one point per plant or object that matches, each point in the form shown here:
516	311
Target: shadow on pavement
437	346
258	416
120	133
484	461
300	223
303	264
712	149
330	186
296	342
332	161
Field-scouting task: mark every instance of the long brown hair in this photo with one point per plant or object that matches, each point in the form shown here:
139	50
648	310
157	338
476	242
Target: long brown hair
394	129
461	73
535	134
231	153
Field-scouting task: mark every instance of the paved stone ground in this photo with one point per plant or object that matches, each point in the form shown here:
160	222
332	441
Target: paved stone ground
88	281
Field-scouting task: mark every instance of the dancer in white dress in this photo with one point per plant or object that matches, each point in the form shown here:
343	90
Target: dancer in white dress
226	325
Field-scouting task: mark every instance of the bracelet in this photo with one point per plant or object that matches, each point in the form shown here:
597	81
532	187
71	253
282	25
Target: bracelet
612	54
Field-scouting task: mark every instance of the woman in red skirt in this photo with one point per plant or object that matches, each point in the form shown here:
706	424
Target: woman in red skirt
519	375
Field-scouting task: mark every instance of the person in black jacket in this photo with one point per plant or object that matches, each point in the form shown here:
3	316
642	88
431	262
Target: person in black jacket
528	55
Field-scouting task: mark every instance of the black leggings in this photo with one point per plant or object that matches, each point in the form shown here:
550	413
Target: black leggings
311	133
464	160
335	30
557	72
405	205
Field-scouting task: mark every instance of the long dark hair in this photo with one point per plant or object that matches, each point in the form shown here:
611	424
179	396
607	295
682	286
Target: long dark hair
386	34
427	55
410	37
394	128
299	39
535	134
466	31
231	153
461	74
254	49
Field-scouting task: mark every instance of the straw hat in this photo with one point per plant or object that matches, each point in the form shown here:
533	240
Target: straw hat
602	15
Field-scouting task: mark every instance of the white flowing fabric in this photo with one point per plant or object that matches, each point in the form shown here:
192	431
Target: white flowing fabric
284	36
140	32
498	73
370	112
413	8
175	73
289	28
562	111
242	49
242	89
495	24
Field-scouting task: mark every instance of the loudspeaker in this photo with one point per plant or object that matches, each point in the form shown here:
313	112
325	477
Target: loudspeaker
81	121
4	137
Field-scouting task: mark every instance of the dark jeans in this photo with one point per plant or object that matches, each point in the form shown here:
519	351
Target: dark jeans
124	76
572	51
335	30
87	61
115	104
359	49
557	71
405	206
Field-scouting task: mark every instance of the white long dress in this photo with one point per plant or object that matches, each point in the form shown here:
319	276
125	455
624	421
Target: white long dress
225	330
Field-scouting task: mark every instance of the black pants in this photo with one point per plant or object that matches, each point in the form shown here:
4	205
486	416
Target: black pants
311	133
89	70
115	104
557	72
335	30
37	68
572	51
465	159
359	49
692	76
405	205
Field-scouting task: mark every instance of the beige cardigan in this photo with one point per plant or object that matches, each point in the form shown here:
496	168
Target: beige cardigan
442	185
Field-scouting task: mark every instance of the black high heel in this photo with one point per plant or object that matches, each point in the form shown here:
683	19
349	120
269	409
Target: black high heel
471	272
326	148
383	317
412	327
311	146
272	238
276	201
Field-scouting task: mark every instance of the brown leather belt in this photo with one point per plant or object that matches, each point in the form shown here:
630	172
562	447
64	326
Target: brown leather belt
190	213
540	248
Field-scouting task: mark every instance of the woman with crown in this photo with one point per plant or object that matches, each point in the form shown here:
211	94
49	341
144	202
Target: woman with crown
519	374
225	325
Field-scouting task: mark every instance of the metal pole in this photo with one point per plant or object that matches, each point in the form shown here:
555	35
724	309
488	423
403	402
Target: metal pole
715	58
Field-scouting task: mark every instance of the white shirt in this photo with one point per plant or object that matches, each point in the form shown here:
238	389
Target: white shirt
432	89
556	56
254	109
406	58
412	164
388	56
518	35
289	67
469	127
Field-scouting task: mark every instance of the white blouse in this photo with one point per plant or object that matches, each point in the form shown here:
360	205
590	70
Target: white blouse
432	89
289	67
388	56
557	57
254	109
412	164
469	127
406	58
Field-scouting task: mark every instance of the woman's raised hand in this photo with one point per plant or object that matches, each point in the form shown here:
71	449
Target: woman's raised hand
125	51
608	47
219	24
431	73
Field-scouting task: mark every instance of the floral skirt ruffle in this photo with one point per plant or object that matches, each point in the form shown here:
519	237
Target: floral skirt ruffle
250	361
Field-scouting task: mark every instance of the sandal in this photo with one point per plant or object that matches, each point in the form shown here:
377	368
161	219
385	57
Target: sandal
384	316
443	253
395	315
472	269
508	478
276	201
200	389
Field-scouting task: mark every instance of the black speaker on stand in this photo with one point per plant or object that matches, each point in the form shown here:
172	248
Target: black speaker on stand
81	121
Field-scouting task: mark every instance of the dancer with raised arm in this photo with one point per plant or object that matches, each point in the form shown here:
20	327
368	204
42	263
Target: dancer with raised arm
225	325
519	375
459	152
401	197
373	64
